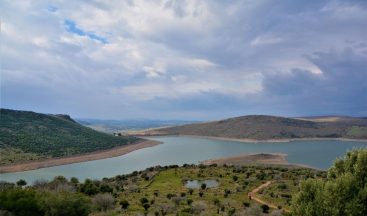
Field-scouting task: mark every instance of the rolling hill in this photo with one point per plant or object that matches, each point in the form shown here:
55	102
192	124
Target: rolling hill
261	127
28	136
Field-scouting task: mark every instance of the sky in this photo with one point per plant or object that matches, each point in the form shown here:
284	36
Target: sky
189	60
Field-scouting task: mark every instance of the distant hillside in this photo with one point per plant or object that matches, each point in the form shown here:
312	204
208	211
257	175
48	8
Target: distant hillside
116	126
30	136
262	127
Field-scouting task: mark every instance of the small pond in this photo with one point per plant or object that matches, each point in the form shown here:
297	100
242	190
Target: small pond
195	184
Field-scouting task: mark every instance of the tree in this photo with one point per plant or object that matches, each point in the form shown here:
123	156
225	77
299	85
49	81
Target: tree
74	180
20	202
21	183
344	192
203	186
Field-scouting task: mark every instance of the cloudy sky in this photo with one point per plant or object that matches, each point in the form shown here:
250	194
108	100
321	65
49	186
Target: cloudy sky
184	59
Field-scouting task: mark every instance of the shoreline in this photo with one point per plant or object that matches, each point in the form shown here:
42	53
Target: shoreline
247	140
262	159
97	155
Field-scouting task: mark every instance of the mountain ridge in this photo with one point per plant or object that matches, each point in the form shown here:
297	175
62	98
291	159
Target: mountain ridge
264	127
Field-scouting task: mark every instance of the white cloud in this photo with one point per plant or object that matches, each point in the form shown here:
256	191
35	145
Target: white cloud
166	49
265	40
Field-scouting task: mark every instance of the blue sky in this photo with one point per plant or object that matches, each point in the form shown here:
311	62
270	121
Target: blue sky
195	60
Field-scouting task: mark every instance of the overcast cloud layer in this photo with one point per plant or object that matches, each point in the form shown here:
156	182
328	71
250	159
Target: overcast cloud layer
184	59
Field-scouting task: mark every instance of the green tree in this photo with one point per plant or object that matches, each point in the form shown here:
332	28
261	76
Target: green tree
74	180
65	203
203	186
344	192
21	183
20	202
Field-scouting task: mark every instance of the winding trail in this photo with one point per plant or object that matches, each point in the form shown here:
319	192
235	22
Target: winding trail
253	196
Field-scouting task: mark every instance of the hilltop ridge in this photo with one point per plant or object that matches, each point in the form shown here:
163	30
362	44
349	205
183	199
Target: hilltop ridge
263	127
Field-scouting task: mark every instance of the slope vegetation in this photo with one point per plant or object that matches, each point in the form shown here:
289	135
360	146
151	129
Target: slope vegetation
262	127
30	136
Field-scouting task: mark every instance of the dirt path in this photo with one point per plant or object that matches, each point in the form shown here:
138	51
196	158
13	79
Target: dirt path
114	152
253	195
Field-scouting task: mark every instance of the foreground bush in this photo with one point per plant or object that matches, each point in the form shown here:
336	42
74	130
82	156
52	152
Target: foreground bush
29	202
344	192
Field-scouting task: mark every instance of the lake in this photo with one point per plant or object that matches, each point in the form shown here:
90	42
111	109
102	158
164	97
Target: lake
195	184
179	150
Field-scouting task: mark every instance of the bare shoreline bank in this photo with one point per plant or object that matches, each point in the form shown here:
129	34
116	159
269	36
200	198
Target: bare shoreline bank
266	159
246	140
109	153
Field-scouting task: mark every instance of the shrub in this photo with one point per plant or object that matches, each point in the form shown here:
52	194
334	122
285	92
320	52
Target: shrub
246	204
65	203
124	204
189	201
191	191
103	201
265	208
144	200
203	186
343	193
21	183
146	206
20	202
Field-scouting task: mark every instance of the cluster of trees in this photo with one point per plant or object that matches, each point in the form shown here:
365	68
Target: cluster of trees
57	197
343	192
52	135
32	202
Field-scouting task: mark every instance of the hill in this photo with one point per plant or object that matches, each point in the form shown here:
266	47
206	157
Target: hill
261	127
117	126
26	136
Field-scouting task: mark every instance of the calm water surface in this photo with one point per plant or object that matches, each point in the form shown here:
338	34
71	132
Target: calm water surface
180	150
210	183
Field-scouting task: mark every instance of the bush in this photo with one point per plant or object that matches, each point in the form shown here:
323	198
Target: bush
343	193
65	203
246	204
189	201
146	206
203	186
144	200
20	202
103	201
21	183
265	208
191	191
124	204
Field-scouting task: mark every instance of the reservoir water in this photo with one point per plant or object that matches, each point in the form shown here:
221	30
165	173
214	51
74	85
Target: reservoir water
191	150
